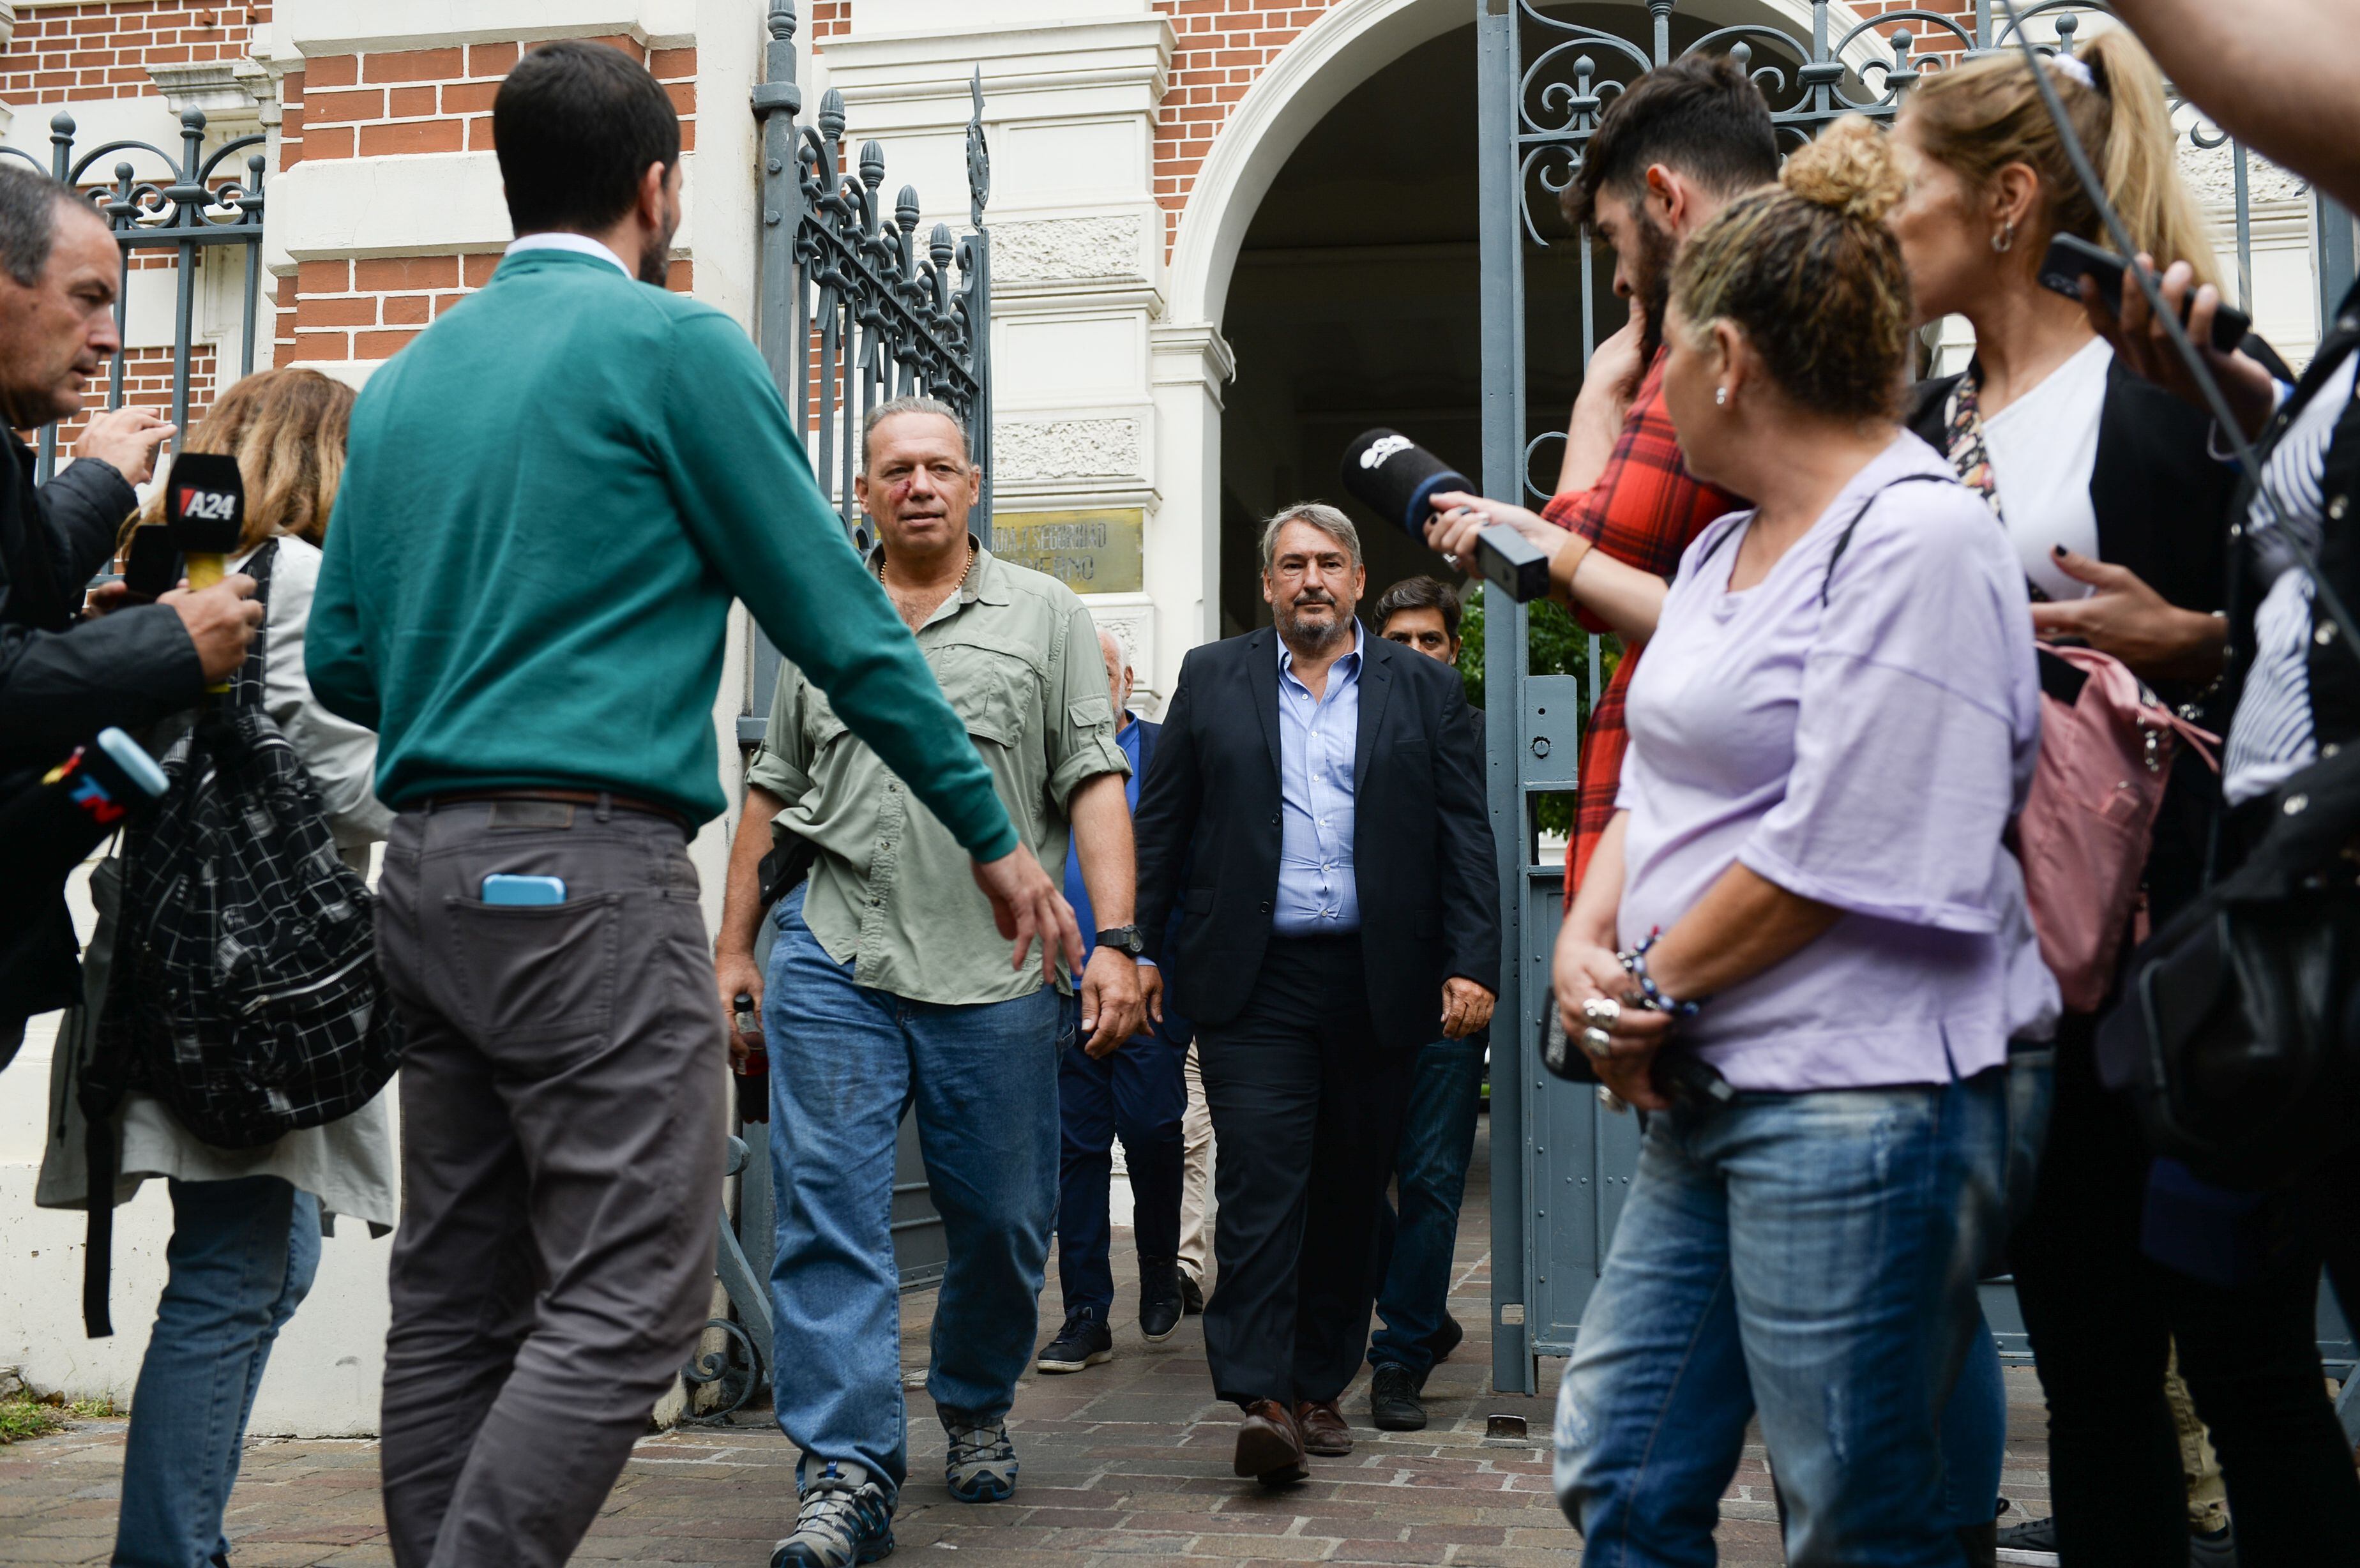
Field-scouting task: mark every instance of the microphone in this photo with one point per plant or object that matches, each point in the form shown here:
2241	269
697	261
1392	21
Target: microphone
205	508
1398	479
48	828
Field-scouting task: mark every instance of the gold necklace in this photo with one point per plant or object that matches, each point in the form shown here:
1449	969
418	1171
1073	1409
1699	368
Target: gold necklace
973	555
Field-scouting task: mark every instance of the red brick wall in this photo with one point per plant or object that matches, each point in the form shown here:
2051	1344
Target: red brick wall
148	383
102	50
390	104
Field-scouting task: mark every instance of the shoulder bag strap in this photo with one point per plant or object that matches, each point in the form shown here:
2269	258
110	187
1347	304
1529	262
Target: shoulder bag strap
1844	539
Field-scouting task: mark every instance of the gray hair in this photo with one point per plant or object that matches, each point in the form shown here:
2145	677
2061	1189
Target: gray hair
28	220
1318	515
916	404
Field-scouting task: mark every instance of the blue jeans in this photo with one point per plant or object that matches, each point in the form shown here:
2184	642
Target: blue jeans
1414	1250
1809	1256
241	1259
846	1063
1139	1093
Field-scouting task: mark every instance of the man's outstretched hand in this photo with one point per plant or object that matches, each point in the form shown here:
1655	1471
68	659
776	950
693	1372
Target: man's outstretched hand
125	438
1026	905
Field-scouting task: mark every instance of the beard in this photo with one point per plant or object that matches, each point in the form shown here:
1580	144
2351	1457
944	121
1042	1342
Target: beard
655	260
1306	636
1652	293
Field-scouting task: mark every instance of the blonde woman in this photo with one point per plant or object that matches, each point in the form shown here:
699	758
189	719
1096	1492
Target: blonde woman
1803	889
246	1223
2119	518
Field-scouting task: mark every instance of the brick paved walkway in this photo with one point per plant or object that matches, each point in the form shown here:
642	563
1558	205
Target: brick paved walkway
1123	1463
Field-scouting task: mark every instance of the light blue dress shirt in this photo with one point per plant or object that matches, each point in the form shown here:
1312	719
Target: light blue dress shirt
1317	893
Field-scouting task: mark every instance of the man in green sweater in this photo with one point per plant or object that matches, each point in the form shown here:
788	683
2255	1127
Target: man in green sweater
551	498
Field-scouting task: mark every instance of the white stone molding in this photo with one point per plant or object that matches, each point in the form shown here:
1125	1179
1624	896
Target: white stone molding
1043	250
227	90
1032	452
1082	68
359	27
1131	618
1196	355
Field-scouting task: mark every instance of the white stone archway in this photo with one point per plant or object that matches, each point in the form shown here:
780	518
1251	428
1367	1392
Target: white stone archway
1349	43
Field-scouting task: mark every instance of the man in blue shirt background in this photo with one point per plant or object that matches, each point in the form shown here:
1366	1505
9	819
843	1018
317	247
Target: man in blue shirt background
1137	1092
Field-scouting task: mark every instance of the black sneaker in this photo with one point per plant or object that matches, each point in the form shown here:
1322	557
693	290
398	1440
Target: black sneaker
1161	1303
1392	1400
1192	1295
2033	1543
1083	1342
1444	1340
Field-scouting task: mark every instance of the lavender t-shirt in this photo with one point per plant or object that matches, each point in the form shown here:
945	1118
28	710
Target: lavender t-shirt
1867	755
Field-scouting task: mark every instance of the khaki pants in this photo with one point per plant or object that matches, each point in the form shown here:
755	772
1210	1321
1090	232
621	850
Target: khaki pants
2208	1498
1197	1207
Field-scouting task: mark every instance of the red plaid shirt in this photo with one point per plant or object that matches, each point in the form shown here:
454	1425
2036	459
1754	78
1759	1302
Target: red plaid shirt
1642	511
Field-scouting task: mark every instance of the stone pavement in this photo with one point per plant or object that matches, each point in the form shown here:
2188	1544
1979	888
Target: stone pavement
1123	1463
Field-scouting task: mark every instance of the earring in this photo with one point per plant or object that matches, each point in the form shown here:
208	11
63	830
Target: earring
2004	240
1720	396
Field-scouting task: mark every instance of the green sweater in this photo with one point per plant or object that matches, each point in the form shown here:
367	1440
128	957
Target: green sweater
552	497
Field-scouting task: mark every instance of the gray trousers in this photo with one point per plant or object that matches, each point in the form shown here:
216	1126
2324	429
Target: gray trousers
562	1151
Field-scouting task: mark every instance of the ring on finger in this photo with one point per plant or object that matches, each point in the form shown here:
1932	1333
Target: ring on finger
1604	1011
1597	1041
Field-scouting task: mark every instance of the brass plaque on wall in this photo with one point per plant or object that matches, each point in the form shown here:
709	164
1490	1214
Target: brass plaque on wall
1090	552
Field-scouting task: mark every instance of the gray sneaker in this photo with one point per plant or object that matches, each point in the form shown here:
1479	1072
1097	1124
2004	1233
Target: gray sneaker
845	1521
982	1465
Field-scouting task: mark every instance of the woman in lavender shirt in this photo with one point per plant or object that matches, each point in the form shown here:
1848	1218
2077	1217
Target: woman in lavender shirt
1804	890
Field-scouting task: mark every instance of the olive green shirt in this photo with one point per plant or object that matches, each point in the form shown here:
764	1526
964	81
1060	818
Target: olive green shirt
891	890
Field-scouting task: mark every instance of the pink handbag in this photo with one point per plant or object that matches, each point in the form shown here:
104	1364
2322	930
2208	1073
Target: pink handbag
2084	831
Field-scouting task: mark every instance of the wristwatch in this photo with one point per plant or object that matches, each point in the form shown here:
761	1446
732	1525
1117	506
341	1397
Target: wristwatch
1123	939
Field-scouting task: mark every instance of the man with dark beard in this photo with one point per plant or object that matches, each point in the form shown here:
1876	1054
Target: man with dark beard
1685	140
1316	817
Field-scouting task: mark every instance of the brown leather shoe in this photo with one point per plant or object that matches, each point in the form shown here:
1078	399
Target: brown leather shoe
1270	1445
1324	1432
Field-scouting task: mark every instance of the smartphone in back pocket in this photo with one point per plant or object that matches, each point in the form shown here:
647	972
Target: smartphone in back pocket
501	889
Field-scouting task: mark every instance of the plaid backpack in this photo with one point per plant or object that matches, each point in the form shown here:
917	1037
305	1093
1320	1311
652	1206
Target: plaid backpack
246	993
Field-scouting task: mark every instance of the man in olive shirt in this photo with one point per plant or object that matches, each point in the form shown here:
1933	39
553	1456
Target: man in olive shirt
887	987
530	605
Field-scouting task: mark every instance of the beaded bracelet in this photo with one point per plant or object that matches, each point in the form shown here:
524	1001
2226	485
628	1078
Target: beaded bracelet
1635	965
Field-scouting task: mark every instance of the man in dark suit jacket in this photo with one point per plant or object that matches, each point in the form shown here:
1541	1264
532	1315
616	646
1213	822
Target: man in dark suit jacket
63	679
1137	1090
1315	814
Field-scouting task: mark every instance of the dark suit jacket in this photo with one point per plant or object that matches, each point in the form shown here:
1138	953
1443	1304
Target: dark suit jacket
1208	829
64	679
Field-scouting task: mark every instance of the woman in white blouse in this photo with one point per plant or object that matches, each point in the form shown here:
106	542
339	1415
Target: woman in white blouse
246	1223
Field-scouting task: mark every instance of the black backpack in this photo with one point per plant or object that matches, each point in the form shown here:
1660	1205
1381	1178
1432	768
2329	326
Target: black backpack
246	992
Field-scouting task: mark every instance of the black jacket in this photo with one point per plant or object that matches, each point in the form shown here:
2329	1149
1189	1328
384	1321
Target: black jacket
2163	509
1423	854
63	679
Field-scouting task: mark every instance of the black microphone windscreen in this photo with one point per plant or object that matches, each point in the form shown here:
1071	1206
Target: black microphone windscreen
205	502
1397	478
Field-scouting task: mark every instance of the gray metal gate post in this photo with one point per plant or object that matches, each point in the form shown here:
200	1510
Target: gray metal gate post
1560	1165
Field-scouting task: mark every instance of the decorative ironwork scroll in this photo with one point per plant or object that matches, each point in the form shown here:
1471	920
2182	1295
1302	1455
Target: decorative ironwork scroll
856	307
192	204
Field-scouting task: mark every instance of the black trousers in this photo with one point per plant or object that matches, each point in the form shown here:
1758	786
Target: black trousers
1307	1113
2103	1317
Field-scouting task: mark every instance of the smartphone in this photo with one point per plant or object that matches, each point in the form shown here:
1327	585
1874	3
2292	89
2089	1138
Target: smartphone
151	566
2070	258
500	888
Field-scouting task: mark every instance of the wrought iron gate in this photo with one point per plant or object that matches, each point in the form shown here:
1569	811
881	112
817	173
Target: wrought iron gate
1561	1165
188	210
854	309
